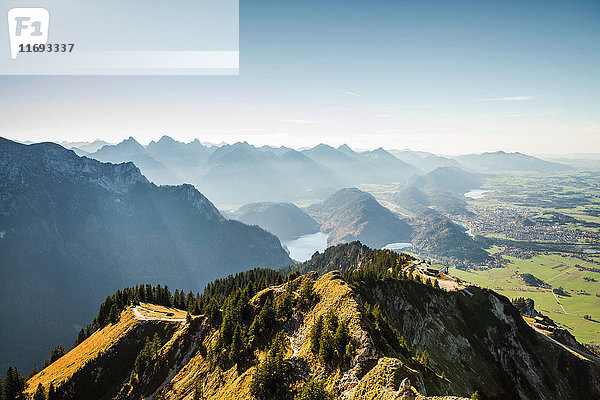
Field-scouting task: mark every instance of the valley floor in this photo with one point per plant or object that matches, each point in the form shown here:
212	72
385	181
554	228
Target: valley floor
578	310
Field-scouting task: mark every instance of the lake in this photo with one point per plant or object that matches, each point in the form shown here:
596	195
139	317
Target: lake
303	247
476	193
397	246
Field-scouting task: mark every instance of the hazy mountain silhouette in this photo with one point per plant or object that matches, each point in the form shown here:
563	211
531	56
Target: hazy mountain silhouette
424	160
376	166
285	220
229	174
500	161
351	214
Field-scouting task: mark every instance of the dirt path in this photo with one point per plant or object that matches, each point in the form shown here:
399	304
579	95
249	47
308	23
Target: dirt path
564	272
560	304
571	350
142	317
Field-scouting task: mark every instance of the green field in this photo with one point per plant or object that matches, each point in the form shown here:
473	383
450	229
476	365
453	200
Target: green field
556	270
575	194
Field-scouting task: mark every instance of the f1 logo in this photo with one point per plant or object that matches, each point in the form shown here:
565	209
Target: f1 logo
27	26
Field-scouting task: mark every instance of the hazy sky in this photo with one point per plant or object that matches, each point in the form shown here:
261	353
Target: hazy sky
442	76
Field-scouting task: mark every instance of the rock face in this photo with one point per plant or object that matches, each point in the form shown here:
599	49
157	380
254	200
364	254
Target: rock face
351	214
76	229
482	344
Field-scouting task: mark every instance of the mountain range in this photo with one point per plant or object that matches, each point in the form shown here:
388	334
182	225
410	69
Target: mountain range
236	174
501	161
375	166
229	174
424	160
75	229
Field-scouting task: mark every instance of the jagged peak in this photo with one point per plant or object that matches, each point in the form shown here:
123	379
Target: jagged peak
345	147
165	139
130	140
323	146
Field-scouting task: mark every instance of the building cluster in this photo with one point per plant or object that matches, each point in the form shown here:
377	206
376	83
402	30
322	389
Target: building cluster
521	224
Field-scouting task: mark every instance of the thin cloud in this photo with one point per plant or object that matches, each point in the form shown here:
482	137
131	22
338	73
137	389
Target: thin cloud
353	94
513	98
301	121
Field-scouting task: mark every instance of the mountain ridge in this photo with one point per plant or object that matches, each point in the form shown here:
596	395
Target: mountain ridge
262	335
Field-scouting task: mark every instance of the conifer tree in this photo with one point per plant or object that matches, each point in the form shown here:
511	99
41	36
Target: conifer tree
56	353
313	390
341	340
52	392
235	351
114	314
315	335
14	385
80	337
269	380
326	347
198	395
176	303
307	293
33	372
40	393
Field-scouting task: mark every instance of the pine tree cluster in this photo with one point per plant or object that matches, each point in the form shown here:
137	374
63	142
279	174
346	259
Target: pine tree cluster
330	341
269	381
148	353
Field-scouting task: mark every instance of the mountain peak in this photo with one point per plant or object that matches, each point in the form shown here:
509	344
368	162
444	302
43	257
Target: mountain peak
346	149
167	139
130	142
243	145
323	146
503	161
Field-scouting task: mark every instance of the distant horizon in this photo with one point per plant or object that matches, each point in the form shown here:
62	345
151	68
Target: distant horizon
208	143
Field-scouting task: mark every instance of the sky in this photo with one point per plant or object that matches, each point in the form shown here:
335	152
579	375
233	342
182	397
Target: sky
448	77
